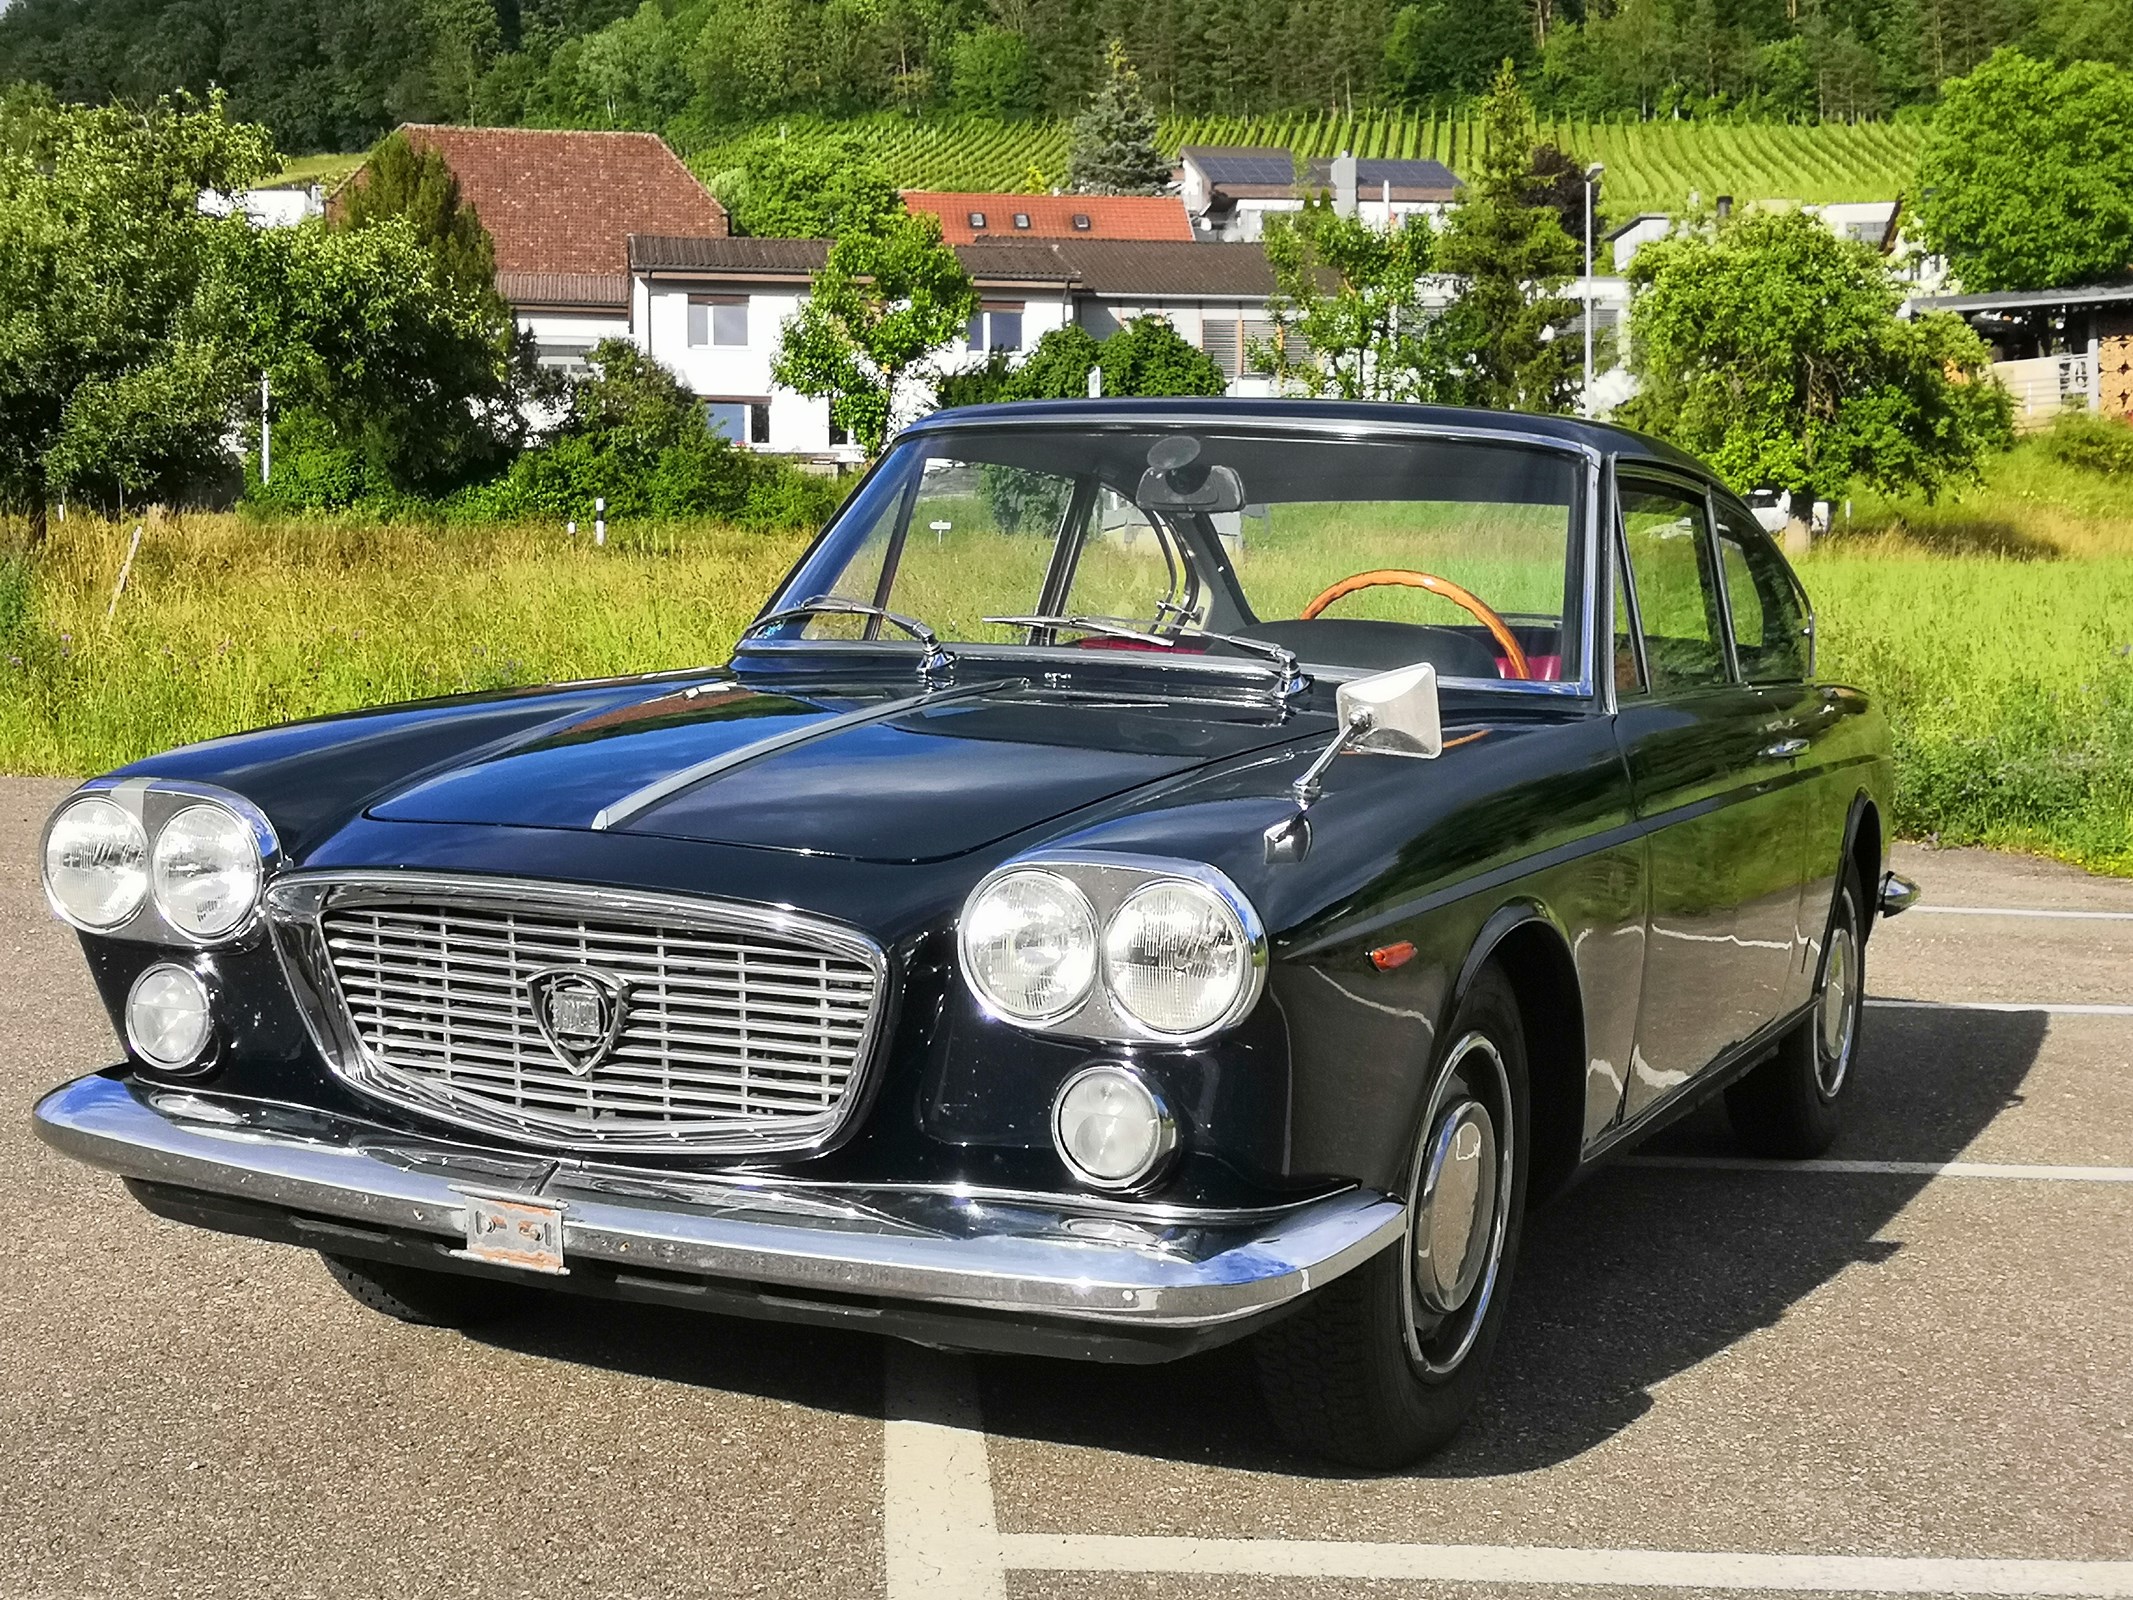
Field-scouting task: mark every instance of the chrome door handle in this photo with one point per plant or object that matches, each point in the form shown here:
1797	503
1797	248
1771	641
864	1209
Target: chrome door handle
1784	749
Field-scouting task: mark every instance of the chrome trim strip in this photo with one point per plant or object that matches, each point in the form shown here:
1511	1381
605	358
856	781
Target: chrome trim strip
297	904
1053	1258
642	800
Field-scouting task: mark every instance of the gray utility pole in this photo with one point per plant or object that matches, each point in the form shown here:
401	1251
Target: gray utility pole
1592	178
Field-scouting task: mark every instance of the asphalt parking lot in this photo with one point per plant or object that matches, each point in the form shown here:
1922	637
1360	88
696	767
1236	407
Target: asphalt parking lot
1906	1369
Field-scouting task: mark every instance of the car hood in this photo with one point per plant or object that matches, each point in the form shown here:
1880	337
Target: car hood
868	773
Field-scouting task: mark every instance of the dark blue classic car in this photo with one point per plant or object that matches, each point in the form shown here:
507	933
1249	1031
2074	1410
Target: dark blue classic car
1155	874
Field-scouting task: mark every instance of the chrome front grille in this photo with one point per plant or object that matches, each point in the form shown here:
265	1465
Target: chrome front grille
738	1028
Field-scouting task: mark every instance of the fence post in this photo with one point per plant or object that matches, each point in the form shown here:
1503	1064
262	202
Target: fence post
125	572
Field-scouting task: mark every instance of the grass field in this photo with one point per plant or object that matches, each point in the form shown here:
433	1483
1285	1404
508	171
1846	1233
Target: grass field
1650	165
1997	630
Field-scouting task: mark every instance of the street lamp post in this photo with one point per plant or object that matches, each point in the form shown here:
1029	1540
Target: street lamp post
1592	179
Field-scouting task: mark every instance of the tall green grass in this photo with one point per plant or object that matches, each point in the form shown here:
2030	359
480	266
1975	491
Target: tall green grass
227	623
1997	630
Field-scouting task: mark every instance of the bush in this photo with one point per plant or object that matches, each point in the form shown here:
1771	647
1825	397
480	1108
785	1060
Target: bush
2092	442
313	469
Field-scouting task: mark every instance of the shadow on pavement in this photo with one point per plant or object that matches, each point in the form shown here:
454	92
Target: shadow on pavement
1628	1279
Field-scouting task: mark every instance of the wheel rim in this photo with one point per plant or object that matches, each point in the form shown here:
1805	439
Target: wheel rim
1837	1009
1459	1207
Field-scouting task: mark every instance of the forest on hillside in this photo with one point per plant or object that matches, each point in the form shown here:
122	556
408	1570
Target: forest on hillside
333	74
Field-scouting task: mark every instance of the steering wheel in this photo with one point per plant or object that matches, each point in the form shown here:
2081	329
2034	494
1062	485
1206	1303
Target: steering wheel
1401	577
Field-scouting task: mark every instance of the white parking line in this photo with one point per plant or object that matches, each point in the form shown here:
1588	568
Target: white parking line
2048	1009
1575	1569
2019	911
2003	1171
943	1540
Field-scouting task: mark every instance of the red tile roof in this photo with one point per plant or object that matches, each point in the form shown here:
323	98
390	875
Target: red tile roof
1051	216
567	202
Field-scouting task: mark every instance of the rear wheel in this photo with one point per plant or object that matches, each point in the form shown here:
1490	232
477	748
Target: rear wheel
1382	1366
426	1299
1791	1106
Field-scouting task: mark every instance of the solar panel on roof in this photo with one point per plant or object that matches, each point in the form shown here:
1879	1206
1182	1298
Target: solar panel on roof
1403	171
1249	169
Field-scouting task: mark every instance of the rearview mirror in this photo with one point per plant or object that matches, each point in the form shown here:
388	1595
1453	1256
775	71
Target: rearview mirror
1190	488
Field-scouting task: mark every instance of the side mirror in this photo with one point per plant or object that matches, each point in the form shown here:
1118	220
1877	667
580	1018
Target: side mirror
1394	713
1397	711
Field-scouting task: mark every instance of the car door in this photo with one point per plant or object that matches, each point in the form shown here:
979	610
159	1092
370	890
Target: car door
1773	648
1711	778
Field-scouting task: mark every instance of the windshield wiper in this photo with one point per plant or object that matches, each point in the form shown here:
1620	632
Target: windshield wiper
1282	657
937	655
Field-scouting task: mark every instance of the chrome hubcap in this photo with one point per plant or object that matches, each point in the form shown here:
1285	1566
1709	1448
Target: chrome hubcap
1838	1010
1457	1208
1460	1206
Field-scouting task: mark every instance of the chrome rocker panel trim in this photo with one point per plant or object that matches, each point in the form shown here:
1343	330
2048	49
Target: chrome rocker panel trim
1037	1257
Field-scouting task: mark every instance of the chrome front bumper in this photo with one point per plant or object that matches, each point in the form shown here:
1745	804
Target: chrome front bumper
1039	1256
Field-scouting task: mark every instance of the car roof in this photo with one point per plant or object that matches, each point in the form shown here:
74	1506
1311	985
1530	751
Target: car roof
1603	437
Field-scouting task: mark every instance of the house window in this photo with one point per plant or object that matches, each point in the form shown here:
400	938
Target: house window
718	320
996	328
1021	219
567	356
977	219
1227	338
740	421
1081	222
839	433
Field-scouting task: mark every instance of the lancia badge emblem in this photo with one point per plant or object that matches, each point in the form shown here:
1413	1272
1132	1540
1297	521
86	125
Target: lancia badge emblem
580	1013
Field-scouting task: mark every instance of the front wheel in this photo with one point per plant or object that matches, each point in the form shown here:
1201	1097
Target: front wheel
1791	1106
1382	1366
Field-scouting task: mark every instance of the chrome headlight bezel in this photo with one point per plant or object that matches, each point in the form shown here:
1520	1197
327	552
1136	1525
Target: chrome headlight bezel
152	803
1108	882
1073	904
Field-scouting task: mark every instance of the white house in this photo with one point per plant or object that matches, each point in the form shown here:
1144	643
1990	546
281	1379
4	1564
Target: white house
1229	190
268	208
714	310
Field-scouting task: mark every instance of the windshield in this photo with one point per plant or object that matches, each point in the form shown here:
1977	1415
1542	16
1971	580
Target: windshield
1357	555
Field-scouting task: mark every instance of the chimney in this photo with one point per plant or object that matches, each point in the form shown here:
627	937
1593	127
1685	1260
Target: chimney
1725	207
1344	184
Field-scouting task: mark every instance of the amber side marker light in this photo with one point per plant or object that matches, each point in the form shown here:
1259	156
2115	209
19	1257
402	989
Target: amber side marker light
1387	956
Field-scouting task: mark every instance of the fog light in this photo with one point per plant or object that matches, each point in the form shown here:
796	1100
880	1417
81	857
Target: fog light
1111	1129
167	1017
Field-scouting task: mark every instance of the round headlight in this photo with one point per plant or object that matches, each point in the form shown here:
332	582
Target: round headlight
95	864
1110	1127
1176	957
1029	946
207	871
167	1017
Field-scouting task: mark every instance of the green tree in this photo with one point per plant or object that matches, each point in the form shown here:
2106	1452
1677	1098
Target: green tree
1772	349
117	372
402	180
2026	180
1500	342
1057	367
990	73
814	188
1114	149
1148	357
1440	49
887	300
414	373
1347	306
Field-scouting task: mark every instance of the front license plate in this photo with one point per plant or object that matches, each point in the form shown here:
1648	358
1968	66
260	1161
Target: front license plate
526	1234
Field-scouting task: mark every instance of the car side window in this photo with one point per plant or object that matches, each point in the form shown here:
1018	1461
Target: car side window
1667	532
1769	627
